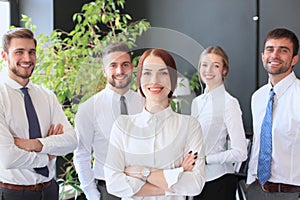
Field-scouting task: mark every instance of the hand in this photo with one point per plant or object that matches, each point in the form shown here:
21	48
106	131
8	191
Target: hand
28	144
134	171
51	157
59	129
189	161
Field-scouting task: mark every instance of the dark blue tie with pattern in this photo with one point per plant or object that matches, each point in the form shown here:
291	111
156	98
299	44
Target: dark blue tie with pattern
34	126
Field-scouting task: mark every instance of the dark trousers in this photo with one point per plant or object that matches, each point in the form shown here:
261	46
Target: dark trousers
103	191
223	188
48	193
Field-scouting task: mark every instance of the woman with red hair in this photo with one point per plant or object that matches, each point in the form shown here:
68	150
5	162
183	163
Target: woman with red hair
157	154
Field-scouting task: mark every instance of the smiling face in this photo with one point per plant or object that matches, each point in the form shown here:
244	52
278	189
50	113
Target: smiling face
278	59
211	70
118	71
155	82
21	59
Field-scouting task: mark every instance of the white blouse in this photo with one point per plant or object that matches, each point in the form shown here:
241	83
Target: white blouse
157	141
220	116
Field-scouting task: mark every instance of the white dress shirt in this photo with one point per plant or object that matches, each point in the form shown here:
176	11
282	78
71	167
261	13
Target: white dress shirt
93	123
17	165
285	130
156	141
220	116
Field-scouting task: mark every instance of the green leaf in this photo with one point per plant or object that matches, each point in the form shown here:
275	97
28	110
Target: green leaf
128	16
68	64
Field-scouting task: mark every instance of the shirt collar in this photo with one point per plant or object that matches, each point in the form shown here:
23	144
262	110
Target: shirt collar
161	115
15	85
281	87
215	91
117	96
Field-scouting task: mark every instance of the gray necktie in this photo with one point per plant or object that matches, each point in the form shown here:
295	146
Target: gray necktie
123	106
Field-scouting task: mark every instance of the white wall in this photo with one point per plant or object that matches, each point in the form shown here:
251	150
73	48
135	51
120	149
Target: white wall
4	17
41	12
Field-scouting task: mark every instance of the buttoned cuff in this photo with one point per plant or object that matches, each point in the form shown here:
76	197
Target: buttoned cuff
210	159
44	149
92	194
135	184
172	175
43	160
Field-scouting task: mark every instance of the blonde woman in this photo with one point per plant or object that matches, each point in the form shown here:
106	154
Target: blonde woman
220	117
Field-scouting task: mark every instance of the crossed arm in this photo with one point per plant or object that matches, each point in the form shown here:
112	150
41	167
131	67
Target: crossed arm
156	183
34	144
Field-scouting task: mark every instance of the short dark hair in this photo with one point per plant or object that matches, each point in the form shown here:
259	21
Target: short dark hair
114	47
168	60
16	33
284	33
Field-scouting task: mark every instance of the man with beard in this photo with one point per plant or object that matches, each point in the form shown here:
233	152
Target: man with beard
33	126
274	172
95	117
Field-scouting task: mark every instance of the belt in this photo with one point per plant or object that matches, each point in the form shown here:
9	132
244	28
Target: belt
37	187
279	187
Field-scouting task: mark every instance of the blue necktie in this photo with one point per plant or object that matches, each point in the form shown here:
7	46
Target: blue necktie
123	106
265	151
34	126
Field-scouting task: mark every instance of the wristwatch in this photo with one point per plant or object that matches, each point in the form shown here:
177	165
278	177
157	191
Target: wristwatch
145	174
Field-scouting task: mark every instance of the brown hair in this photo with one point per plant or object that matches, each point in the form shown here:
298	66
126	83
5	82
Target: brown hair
114	47
16	33
168	60
284	33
